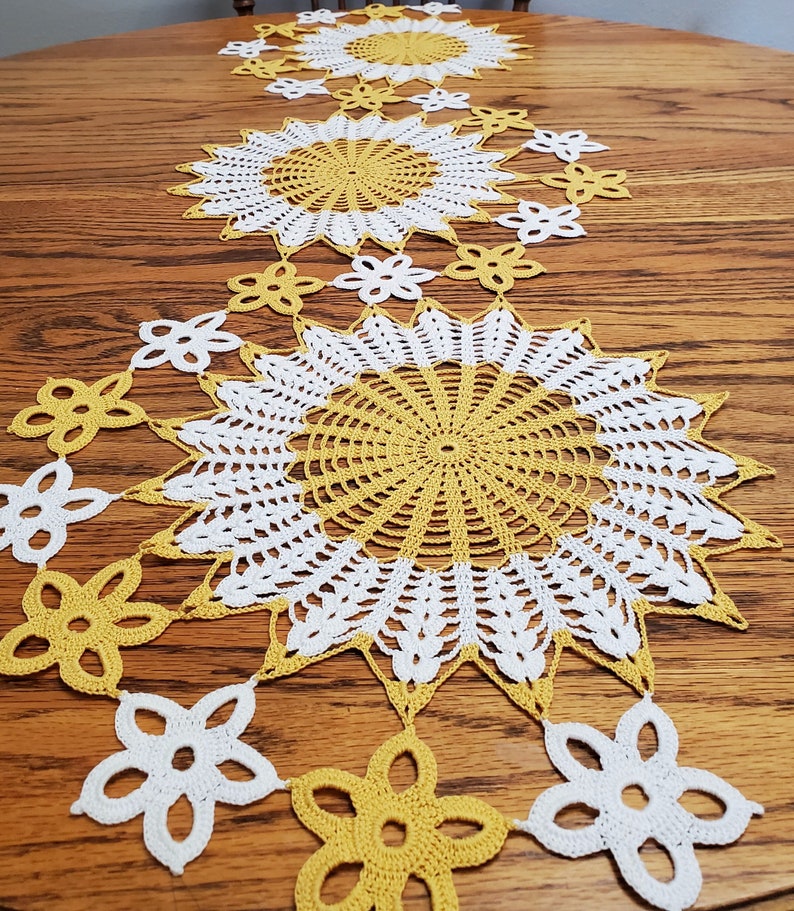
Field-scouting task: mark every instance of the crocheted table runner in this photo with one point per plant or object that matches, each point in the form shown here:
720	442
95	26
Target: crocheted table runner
427	492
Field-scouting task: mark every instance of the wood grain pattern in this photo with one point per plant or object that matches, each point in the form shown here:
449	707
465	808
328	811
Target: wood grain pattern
699	262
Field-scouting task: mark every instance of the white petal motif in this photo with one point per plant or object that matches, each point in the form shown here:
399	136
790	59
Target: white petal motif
535	222
293	89
247	49
566	146
435	8
319	16
201	782
621	829
376	280
185	345
437	99
37	506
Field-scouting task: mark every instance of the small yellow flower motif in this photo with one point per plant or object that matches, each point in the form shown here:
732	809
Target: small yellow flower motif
72	413
496	268
278	287
285	30
415	815
88	619
378	11
490	121
367	96
581	183
265	69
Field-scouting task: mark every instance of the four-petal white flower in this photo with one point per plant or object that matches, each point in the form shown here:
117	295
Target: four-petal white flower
247	49
375	279
202	782
36	507
535	222
297	88
319	16
435	8
566	146
186	345
437	99
620	828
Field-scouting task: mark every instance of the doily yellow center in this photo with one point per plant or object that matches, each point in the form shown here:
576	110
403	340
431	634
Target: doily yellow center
407	48
346	176
449	464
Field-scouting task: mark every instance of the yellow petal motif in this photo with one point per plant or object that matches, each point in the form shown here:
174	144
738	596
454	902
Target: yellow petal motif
425	852
89	619
265	69
496	268
581	183
378	11
366	96
71	413
284	30
278	287
490	121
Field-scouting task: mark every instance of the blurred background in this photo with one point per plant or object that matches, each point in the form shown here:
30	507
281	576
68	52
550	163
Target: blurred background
26	25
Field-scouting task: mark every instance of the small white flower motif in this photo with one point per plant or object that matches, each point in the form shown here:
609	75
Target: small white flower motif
186	345
48	506
566	146
292	89
201	748
375	279
436	9
319	16
621	829
535	222
247	49
437	99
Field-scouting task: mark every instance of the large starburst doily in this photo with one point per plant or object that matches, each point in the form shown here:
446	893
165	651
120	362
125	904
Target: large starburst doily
428	492
344	180
456	490
404	49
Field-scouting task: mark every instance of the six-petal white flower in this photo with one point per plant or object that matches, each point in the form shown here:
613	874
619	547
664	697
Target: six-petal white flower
202	782
566	146
297	88
185	345
434	8
319	16
535	222
44	505
338	49
437	99
247	49
619	827
376	280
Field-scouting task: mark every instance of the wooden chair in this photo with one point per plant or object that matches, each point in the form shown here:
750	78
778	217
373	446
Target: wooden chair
246	7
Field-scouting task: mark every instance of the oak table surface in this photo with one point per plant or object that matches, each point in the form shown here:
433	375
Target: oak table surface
698	262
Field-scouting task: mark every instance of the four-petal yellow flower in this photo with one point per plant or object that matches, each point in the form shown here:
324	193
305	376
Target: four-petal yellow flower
496	268
89	619
415	813
76	412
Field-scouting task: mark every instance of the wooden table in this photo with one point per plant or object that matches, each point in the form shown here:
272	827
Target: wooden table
699	262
